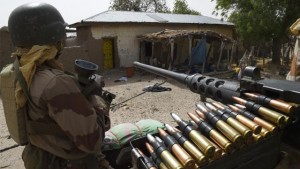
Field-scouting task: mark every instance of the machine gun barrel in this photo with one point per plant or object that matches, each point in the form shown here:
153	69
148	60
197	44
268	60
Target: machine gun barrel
217	89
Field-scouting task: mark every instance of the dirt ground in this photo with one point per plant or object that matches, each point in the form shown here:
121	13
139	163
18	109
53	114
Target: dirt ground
130	105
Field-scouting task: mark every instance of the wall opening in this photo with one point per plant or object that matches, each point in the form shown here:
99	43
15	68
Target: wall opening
108	54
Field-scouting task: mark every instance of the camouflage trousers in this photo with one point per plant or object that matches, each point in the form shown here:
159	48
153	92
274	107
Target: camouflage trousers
36	158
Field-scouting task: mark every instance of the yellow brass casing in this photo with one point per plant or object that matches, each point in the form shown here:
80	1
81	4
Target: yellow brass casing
184	158
221	141
287	119
271	115
246	132
170	161
162	166
249	123
257	137
265	133
282	106
202	143
230	133
199	157
264	124
218	151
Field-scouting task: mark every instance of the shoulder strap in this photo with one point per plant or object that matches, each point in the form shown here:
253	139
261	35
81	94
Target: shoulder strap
22	82
34	127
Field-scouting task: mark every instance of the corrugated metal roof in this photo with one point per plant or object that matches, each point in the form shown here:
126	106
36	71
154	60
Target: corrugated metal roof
146	17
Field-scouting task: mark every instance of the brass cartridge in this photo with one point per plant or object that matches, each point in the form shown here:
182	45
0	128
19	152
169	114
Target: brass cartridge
199	140
199	157
218	151
202	143
230	133
272	116
268	114
167	158
208	130
245	131
257	120
276	104
265	133
234	136
257	137
155	158
185	159
247	122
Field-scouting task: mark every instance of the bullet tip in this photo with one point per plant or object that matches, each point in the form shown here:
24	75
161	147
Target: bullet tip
250	95
150	138
158	139
201	107
239	100
175	117
161	132
210	106
240	106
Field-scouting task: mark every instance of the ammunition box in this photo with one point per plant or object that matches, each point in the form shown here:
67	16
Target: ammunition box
263	154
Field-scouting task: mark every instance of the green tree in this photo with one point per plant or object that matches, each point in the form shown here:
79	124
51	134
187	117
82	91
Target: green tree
140	5
181	7
260	21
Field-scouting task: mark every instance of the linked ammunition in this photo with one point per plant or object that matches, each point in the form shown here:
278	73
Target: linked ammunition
218	150
189	131
167	158
185	159
253	126
268	114
148	162
245	131
199	157
210	132
234	136
278	105
266	125
155	158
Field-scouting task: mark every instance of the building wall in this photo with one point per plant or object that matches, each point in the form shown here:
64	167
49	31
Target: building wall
89	42
127	45
6	48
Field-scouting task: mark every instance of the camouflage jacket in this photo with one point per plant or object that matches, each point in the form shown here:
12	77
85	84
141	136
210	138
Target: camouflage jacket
83	120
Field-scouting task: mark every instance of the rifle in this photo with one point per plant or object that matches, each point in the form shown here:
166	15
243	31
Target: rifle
224	91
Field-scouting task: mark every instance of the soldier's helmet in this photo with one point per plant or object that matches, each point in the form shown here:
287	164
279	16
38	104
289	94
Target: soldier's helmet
36	24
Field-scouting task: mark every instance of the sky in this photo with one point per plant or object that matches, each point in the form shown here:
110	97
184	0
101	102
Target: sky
76	10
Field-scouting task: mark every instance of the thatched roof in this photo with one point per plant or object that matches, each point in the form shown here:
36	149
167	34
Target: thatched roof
173	34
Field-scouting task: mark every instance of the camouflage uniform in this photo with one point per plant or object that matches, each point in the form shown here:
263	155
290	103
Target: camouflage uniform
83	120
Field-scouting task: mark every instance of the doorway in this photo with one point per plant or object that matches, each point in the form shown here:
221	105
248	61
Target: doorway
108	53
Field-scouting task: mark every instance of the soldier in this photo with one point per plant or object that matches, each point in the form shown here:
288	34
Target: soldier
55	99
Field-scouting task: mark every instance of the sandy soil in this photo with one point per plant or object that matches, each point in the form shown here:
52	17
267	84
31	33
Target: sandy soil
140	105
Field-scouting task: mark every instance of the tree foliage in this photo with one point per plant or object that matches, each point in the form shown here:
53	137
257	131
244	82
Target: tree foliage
140	5
260	21
181	7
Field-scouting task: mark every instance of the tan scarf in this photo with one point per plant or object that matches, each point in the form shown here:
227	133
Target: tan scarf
30	59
